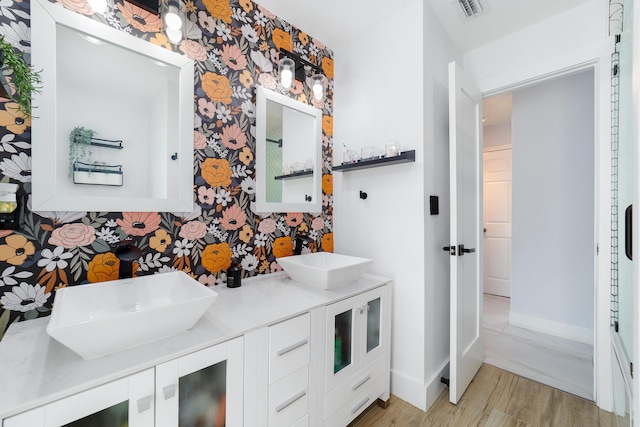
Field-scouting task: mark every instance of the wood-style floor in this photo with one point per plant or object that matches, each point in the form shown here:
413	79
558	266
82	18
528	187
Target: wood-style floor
495	398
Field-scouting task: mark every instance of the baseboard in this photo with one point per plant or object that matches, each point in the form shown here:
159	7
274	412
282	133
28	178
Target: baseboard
551	327
417	393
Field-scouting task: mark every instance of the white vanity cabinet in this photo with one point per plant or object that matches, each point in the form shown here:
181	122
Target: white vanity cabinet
127	401
272	353
201	388
357	360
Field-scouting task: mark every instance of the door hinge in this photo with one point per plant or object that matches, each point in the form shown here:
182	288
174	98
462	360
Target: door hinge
631	368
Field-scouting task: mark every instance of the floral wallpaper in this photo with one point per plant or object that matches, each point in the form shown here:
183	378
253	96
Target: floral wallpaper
234	44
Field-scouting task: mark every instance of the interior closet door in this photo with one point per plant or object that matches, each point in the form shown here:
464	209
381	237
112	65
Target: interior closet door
465	243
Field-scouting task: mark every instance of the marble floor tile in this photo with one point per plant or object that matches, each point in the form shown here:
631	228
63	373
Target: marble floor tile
560	363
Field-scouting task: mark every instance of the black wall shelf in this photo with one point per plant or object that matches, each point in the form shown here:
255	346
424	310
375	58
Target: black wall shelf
404	157
300	174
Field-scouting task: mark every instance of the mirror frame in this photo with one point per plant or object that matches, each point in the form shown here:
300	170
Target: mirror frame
46	194
315	206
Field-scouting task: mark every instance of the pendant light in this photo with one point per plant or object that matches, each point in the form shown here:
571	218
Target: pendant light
317	86
287	70
173	21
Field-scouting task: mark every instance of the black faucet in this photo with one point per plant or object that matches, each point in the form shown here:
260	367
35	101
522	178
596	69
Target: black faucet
300	240
126	252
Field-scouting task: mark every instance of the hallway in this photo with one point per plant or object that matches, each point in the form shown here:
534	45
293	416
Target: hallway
557	362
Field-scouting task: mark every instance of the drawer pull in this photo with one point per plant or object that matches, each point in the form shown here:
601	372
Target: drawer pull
144	403
292	347
360	383
169	391
293	399
359	405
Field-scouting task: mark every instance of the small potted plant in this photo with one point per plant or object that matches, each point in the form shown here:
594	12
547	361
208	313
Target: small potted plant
80	146
24	80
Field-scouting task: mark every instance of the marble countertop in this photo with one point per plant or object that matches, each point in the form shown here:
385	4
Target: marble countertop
35	369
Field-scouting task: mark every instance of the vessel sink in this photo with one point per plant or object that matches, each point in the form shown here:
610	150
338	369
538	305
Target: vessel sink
102	318
325	270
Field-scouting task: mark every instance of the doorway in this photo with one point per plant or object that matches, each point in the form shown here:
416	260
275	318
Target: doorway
540	272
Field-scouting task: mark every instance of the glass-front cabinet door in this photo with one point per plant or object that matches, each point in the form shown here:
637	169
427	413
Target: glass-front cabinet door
127	402
202	388
374	309
357	337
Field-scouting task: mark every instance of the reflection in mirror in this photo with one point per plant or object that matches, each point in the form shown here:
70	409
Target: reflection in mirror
136	101
288	154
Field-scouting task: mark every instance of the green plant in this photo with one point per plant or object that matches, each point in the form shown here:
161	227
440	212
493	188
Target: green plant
24	80
79	146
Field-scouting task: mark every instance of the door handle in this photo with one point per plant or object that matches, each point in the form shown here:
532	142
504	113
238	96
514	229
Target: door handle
450	249
628	232
462	250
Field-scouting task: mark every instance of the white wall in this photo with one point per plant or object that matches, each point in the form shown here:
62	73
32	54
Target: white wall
553	199
394	88
496	135
572	40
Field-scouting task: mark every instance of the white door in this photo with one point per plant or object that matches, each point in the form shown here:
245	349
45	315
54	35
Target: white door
497	222
465	169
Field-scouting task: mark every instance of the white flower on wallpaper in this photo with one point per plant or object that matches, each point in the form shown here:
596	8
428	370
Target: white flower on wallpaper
17	34
17	167
25	297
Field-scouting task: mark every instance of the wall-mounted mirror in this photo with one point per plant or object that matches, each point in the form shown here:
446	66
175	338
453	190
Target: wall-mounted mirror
136	97
288	154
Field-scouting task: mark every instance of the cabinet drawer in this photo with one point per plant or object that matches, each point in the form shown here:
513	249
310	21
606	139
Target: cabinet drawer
289	398
355	385
302	422
288	346
356	404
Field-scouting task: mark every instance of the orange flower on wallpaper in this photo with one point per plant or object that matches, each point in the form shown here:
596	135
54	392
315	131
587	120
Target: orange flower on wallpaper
303	37
219	9
216	172
139	223
233	218
327	67
245	156
281	39
246	234
13	120
216	257
160	240
217	87
327	242
16	249
246	79
103	267
327	184
327	125
293	219
139	18
161	40
282	246
247	5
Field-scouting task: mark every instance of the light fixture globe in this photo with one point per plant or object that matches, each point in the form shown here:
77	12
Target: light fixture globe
98	6
286	69
175	36
317	86
172	18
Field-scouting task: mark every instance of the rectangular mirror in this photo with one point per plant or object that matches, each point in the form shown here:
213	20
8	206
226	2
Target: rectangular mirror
288	154
138	99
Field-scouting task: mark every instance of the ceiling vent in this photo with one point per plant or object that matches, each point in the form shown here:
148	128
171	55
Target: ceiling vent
470	9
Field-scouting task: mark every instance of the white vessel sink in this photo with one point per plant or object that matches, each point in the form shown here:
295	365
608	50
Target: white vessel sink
324	270
101	318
